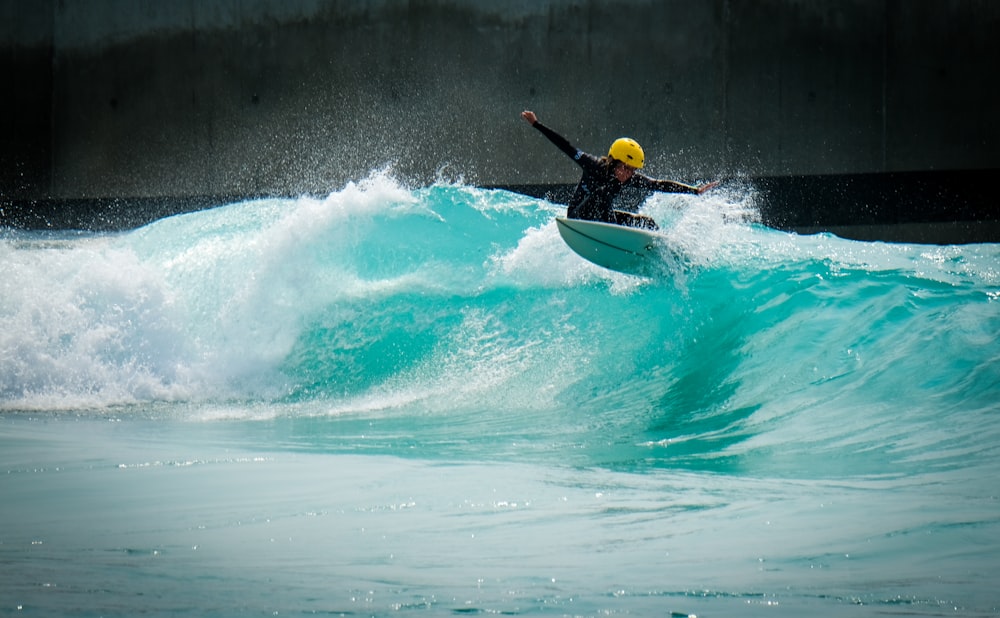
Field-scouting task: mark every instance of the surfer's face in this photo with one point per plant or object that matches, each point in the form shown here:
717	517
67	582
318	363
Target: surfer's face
623	172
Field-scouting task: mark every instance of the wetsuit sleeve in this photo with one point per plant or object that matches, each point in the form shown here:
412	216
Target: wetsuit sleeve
561	142
665	186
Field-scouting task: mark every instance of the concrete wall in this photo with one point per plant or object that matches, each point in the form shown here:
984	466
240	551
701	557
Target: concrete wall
196	97
26	57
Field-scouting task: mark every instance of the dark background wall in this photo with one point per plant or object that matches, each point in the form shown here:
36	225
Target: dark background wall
160	98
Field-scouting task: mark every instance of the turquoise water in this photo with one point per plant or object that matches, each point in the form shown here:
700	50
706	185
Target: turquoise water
396	401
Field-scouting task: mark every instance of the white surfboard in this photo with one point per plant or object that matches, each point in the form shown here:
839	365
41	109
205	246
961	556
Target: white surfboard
624	249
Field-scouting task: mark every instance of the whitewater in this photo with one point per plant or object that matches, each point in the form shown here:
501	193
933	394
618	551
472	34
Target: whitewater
418	401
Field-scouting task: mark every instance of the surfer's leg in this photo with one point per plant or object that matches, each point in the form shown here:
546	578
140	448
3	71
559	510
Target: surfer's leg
630	220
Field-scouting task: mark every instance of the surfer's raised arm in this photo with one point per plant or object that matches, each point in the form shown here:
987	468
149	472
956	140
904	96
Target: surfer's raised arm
561	142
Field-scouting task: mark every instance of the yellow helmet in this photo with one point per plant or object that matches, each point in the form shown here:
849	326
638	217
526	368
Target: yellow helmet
628	151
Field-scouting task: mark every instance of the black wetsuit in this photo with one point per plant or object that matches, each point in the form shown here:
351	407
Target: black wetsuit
595	195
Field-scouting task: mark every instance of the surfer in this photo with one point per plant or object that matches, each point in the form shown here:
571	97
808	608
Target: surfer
604	178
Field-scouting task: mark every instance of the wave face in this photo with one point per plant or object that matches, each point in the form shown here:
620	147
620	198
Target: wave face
452	321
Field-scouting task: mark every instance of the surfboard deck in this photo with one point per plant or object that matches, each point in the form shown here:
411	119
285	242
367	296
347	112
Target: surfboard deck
615	247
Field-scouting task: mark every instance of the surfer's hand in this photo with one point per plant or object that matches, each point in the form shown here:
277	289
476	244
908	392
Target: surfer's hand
529	117
708	186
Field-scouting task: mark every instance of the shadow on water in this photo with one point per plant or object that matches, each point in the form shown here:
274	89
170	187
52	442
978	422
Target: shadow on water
697	418
682	407
353	347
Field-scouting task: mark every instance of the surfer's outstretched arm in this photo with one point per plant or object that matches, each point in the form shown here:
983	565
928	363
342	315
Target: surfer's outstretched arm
708	186
561	142
672	186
